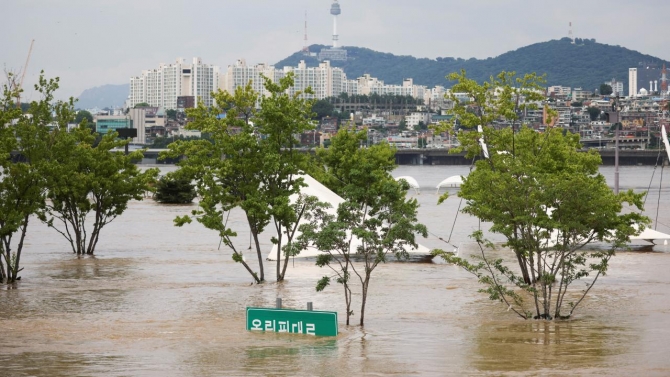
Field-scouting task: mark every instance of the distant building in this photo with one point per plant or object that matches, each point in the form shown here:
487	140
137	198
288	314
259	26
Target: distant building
138	119
414	119
185	102
648	75
374	120
333	54
617	87
559	91
632	82
162	86
328	124
371	85
579	94
325	81
109	123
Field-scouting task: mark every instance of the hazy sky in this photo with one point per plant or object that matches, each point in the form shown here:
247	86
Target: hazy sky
89	43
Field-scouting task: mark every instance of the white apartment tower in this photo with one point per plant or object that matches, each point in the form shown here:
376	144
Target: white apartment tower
325	81
632	82
160	87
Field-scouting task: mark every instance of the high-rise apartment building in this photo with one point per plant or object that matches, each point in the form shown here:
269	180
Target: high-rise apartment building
162	86
325	80
632	82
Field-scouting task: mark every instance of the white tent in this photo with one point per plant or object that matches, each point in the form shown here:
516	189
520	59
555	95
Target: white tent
315	188
411	181
453	181
650	235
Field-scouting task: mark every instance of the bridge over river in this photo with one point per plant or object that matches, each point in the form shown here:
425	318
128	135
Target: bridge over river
439	156
443	157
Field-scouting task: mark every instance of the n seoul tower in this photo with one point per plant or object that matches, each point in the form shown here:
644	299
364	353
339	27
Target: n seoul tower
335	11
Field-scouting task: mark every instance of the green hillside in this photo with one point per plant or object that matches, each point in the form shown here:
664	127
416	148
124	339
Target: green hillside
585	64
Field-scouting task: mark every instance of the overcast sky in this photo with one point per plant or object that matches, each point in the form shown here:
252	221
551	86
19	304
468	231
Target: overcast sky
89	43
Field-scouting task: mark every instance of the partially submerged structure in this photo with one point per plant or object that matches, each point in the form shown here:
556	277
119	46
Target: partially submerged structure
315	188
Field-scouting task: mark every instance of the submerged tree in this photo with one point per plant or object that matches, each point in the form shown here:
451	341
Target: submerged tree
25	141
546	198
251	162
174	189
374	221
85	178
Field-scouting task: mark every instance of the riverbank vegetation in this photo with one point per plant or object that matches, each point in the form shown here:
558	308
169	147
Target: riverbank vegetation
48	172
237	167
174	189
542	194
84	178
374	221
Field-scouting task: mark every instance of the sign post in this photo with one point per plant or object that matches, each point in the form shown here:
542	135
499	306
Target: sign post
308	322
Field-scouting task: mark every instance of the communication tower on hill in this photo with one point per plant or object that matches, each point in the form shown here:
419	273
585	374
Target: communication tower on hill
572	38
335	11
335	52
305	48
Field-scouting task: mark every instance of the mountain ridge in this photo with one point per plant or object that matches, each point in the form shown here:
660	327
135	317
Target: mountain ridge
109	95
585	64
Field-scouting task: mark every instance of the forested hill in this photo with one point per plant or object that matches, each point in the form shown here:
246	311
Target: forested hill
585	64
103	96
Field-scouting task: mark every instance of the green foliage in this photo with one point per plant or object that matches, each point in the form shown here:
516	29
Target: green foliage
22	176
142	104
376	99
174	189
605	89
375	220
171	114
85	179
163	142
594	112
574	65
561	203
501	100
83	114
420	127
253	166
322	108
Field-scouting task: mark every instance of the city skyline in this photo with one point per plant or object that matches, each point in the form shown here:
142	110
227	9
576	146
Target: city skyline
89	44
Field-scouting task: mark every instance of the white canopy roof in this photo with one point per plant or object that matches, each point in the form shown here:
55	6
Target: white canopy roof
411	181
315	188
453	181
649	235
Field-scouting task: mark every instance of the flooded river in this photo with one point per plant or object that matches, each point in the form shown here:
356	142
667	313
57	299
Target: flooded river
158	300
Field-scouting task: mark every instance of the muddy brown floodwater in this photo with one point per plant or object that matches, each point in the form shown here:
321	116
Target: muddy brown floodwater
158	300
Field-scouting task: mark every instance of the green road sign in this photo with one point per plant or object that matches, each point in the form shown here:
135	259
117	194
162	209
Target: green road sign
308	322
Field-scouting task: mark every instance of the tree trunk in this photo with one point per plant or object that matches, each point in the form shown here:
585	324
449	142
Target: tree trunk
534	282
347	300
364	297
19	247
250	271
3	274
259	252
279	236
